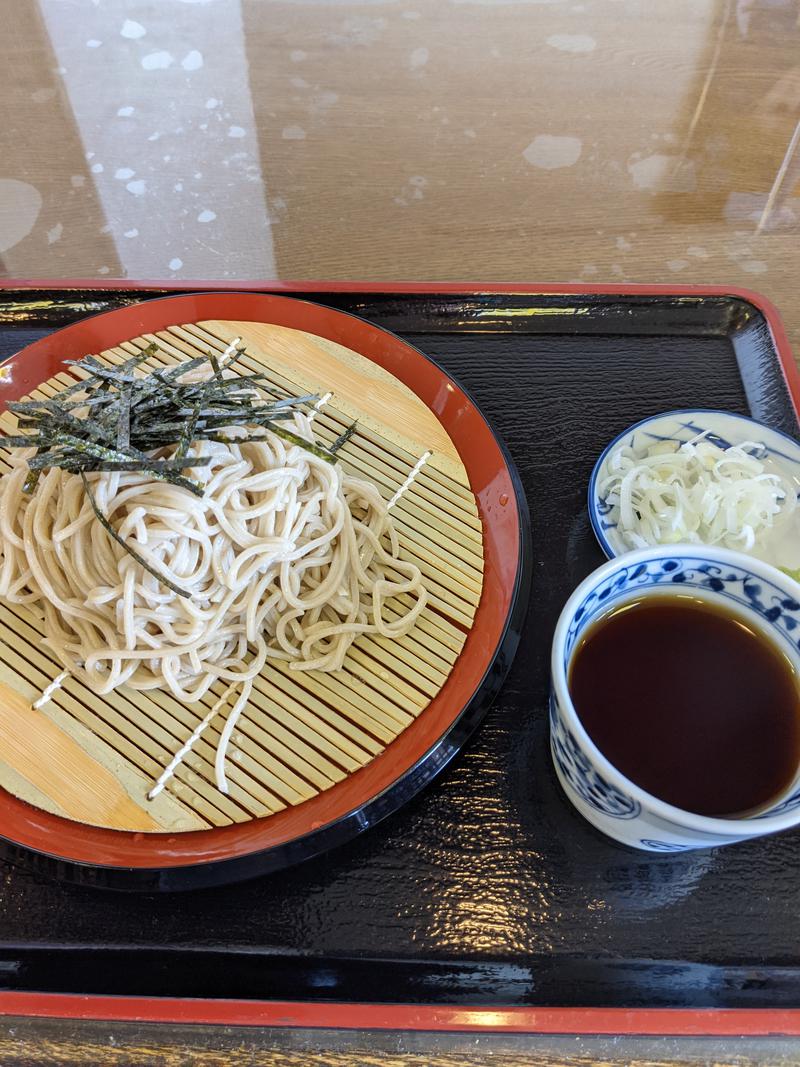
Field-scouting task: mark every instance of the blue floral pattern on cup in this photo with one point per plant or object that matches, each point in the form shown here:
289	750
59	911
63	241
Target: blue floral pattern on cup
581	775
734	582
662	846
789	804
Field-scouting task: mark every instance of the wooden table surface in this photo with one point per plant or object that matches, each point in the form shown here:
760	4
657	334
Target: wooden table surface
25	1042
477	140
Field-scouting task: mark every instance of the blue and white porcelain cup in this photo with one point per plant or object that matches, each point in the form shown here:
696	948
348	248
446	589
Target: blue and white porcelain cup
765	596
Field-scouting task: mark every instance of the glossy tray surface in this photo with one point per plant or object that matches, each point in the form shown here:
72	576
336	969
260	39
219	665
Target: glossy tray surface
487	888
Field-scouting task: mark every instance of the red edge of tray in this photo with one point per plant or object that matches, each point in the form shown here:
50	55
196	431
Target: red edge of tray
674	1022
698	1022
765	306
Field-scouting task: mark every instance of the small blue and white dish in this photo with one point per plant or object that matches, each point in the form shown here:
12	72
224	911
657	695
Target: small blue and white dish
764	597
780	454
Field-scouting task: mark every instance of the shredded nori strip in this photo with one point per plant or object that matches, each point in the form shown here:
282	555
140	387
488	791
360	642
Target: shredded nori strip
187	434
118	418
296	439
343	438
124	425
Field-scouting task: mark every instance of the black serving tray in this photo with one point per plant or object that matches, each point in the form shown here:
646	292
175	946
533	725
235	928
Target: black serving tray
487	889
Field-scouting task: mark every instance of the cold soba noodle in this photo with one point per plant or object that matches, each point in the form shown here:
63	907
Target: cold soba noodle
276	553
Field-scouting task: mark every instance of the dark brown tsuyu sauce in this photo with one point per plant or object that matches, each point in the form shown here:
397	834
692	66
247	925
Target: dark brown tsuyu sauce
690	703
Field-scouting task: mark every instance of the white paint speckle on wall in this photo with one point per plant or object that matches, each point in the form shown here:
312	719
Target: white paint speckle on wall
97	168
123	173
414	189
132	30
138	188
418	58
206	216
754	266
175	264
676	265
192	60
93	43
551	153
293	133
157	60
55	234
124	112
212	102
132	233
236	131
20	204
662	173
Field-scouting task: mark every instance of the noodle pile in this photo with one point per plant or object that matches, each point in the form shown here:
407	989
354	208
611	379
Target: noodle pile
283	556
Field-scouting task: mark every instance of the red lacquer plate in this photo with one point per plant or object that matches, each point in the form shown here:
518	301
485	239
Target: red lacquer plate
197	859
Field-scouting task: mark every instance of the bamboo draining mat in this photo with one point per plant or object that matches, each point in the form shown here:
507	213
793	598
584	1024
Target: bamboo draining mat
94	758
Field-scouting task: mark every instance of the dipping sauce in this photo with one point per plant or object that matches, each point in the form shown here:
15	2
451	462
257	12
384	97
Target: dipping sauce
690	702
